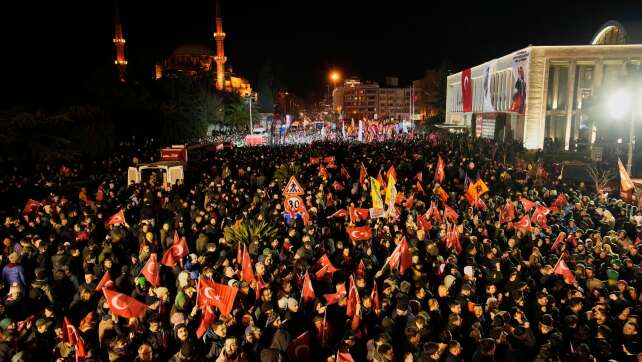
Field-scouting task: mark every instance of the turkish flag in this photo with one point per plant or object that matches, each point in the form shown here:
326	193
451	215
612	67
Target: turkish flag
467	90
339	213
452	239
423	223
207	317
375	297
360	233
326	267
345	173
559	202
299	348
308	291
409	201
31	207
399	198
391	172
315	160
433	213
71	336
560	238
177	251
442	194
123	305
353	298
420	188
381	180
363	173
420	176
26	323
562	269
151	270
329	159
524	223
440	172
528	204
401	257
337	186
247	274
358	214
539	216
105	282
219	295
116	219
507	212
333	298
450	213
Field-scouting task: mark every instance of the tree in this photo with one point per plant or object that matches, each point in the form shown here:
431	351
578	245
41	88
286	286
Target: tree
432	93
237	114
600	177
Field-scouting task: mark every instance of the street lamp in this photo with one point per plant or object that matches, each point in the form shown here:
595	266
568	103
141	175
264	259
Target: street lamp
334	77
619	104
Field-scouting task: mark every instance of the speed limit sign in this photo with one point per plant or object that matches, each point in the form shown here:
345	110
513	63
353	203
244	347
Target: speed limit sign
293	203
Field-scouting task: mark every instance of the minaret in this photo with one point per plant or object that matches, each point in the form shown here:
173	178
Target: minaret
119	42
220	58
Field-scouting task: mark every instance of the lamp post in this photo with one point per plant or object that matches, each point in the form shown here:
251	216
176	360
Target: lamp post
334	77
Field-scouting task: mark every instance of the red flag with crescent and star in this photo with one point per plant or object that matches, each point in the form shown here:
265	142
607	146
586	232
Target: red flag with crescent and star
116	219
357	233
219	295
358	214
466	90
207	318
308	291
123	305
562	269
401	257
71	336
299	348
353	298
325	267
440	172
105	282
247	274
151	270
528	204
363	173
524	223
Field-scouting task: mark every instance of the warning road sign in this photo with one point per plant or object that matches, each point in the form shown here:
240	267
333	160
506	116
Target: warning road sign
293	187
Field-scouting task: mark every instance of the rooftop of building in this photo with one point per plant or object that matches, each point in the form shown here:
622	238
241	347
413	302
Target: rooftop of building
193	49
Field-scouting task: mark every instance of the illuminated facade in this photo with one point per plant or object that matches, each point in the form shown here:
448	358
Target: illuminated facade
555	80
119	42
196	59
356	99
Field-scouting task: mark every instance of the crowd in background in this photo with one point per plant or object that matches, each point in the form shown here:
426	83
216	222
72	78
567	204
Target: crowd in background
440	276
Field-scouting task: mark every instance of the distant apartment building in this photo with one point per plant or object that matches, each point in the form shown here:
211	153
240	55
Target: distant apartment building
357	99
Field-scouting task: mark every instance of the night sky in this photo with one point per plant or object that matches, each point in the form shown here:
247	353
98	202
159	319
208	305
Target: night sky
57	45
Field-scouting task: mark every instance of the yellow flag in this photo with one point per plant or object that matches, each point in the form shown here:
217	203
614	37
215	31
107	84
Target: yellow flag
477	188
391	191
375	192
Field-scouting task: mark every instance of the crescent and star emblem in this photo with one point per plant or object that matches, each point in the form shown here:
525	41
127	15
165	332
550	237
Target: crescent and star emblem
115	302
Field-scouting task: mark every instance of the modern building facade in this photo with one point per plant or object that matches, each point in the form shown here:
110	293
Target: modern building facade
356	99
537	93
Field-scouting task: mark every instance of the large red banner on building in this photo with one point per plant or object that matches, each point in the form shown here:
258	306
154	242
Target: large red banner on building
466	90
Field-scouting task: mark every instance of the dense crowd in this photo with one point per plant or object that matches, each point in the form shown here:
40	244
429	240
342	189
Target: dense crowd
438	276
